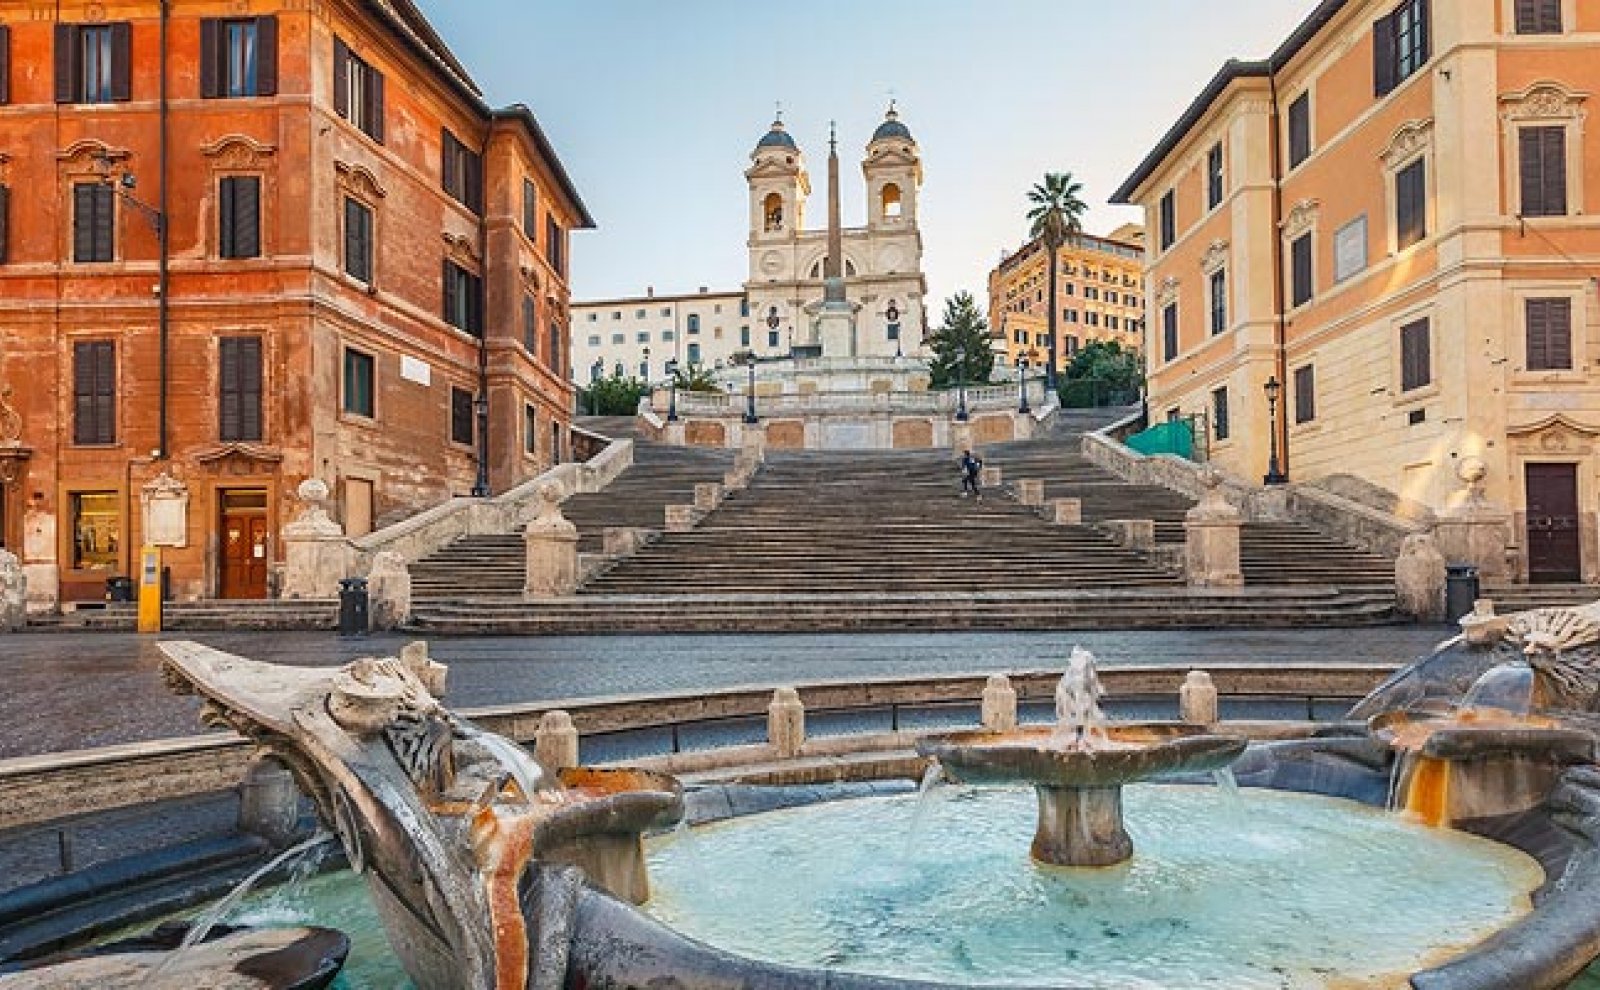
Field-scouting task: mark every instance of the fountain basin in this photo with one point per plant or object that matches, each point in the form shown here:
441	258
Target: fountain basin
1079	788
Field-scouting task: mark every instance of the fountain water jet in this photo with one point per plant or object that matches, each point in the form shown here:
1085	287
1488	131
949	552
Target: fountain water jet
1079	767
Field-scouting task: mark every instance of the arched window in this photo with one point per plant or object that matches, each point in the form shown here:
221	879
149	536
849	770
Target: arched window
891	201
772	210
849	268
816	270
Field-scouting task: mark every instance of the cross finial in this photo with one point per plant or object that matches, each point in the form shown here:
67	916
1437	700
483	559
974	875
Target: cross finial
833	133
779	106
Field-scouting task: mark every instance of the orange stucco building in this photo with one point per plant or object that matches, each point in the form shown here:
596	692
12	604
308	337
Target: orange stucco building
1392	217
246	244
1099	288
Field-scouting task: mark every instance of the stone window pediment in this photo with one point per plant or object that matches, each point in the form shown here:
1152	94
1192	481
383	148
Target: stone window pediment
238	152
359	181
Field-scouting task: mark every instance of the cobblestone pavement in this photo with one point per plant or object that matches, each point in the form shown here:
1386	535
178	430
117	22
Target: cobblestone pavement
62	691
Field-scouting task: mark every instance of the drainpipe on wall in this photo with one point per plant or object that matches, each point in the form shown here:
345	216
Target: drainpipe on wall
1280	356
162	244
481	487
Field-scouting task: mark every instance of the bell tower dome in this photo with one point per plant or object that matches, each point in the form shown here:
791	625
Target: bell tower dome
893	169
779	186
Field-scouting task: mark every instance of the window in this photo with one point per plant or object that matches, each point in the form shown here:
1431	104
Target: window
1169	332
1219	301
668	336
239	399
238	57
1416	361
5	80
1214	176
772	212
530	211
358	390
1091	318
1090	292
555	247
744	308
1219	413
1305	394
644	370
643	337
556	446
239	216
94	211
891	201
530	429
96	531
618	338
638	314
594	340
1300	129
1538	16
694	323
772	339
553	353
1549	334
461	171
358	240
93	63
1071	289
694	354
1399	45
357	91
5	212
1071	315
1542	166
1169	219
94	393
1301	287
463	299
1411	204
460	416
744	336
530	326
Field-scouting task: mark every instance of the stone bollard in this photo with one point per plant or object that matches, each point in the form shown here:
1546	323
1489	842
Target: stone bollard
555	742
754	445
786	723
999	704
1197	699
551	542
707	495
434	676
1419	579
735	481
13	593
990	477
1134	534
269	802
316	555
1212	531
620	541
681	518
389	592
1066	511
1030	492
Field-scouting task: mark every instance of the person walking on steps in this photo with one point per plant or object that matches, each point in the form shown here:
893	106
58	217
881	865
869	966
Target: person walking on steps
971	471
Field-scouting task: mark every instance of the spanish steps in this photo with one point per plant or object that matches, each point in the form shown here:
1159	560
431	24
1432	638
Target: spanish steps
884	540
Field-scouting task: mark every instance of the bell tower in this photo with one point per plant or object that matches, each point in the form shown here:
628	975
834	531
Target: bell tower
893	169
779	186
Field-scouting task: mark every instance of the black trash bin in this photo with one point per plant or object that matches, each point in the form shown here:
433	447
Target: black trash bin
353	605
119	589
1461	592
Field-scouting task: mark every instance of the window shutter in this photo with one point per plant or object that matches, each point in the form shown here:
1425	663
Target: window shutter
1550	16
5	215
267	56
241	388
106	391
1301	256
246	217
475	183
341	78
227	221
84	221
1384	56
5	64
1527	16
374	95
1553	153
475	317
1530	151
105	213
122	61
229	406
450	294
1558	332
83	430
67	59
447	161
1538	335
210	58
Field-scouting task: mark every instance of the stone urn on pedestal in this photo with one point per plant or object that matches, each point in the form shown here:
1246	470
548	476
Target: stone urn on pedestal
316	554
552	549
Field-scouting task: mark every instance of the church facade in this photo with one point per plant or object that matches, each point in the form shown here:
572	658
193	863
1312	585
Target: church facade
880	263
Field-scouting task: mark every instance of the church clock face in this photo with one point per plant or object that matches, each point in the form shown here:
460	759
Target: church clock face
772	262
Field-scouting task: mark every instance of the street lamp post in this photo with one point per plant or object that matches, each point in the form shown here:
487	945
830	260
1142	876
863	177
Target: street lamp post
961	384
672	384
480	406
1022	384
646	375
1274	390
750	396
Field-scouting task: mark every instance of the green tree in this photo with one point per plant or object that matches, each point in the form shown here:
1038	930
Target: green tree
696	378
962	340
1056	218
616	395
1102	373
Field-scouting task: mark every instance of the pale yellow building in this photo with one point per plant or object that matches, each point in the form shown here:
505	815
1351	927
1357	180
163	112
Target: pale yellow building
1393	216
1099	291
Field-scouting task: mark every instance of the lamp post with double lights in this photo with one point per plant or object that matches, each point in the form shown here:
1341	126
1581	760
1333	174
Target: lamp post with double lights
672	393
961	384
750	396
1022	384
1274	390
480	407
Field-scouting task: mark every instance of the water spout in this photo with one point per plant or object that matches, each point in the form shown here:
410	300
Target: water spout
1079	721
530	777
931	779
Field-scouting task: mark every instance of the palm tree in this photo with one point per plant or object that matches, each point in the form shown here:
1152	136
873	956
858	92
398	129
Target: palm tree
1057	218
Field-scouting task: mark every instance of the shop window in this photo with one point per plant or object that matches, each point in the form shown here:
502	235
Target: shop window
96	531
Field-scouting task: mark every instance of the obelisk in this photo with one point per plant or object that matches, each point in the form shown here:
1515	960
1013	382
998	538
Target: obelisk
834	266
836	320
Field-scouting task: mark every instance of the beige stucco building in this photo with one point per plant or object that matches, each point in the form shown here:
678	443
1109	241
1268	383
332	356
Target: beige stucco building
1393	216
1100	289
637	335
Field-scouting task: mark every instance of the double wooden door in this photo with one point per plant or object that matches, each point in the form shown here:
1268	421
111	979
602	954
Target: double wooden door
244	554
1555	545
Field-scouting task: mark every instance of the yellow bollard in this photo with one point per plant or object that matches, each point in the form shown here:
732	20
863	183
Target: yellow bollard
150	590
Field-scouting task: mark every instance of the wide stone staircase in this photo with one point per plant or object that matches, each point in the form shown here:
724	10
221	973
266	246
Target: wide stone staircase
495	565
884	541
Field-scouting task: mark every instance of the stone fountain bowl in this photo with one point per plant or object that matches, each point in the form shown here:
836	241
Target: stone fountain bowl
1133	752
1483	733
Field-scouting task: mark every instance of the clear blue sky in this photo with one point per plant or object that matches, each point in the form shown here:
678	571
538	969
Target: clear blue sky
655	106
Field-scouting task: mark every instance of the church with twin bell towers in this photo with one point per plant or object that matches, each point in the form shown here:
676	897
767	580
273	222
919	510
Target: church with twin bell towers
838	292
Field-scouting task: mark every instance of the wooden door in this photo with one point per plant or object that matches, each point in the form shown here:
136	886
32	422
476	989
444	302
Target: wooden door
244	555
1554	546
